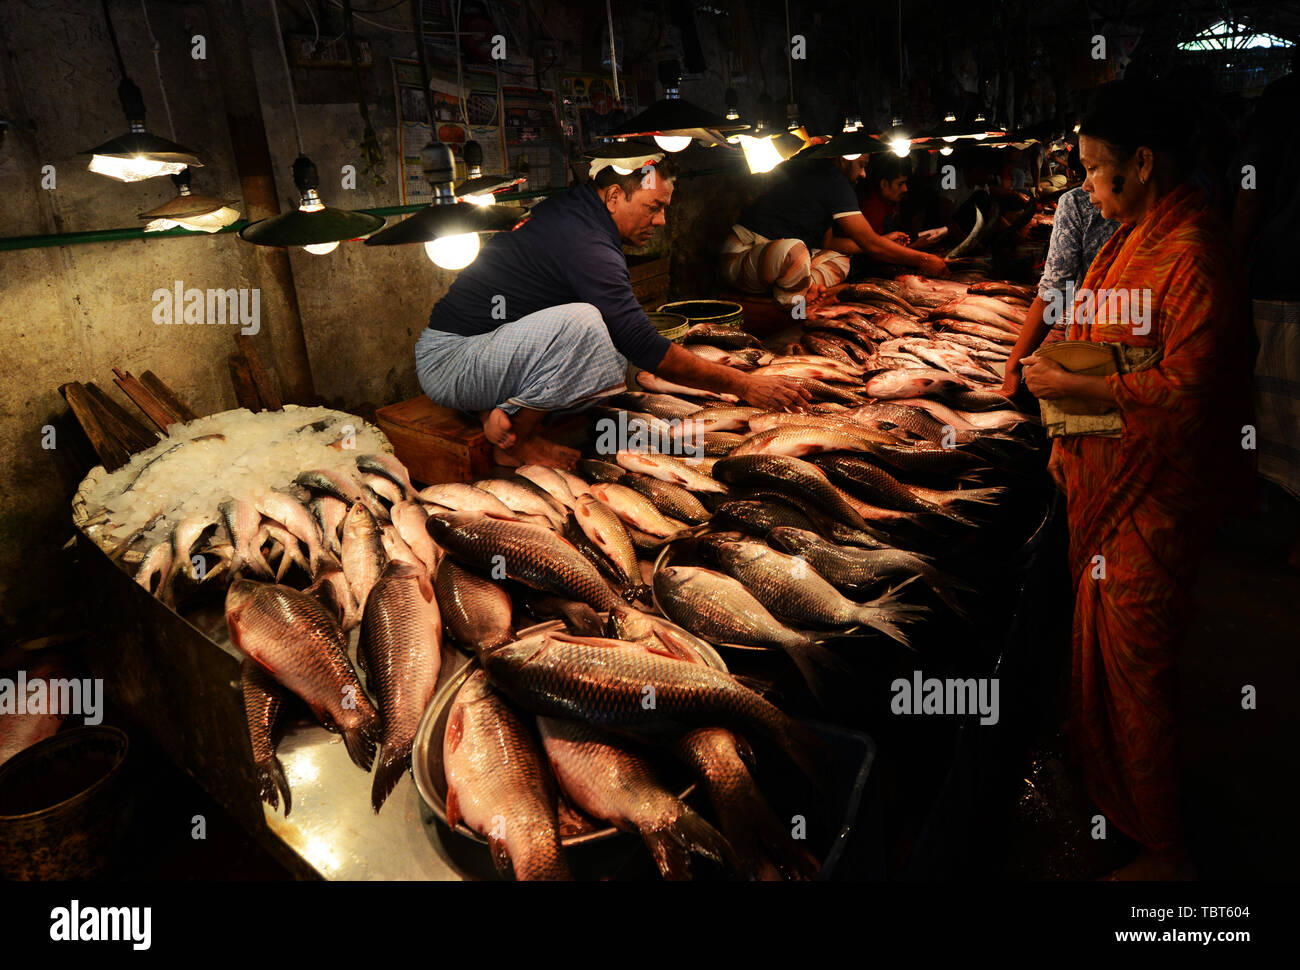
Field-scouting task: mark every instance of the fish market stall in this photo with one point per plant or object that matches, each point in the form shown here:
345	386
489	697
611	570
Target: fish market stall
327	646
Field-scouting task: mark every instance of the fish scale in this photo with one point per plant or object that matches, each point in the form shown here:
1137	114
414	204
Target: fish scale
497	783
670	499
606	686
530	554
786	474
262	700
401	640
292	636
475	610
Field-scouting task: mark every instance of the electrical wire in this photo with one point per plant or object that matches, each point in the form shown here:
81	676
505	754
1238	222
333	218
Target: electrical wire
315	41
157	63
789	60
375	23
112	36
613	54
288	76
460	77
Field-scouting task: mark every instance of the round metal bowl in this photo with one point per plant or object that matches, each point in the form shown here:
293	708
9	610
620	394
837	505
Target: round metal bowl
723	313
430	774
670	325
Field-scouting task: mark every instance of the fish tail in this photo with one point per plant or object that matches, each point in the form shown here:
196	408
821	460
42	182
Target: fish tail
672	844
272	783
764	847
392	759
816	665
360	741
978	496
638	591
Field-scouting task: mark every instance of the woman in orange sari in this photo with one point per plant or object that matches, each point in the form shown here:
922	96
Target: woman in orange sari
1143	502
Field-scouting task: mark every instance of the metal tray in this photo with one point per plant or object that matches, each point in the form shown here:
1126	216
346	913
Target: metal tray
427	764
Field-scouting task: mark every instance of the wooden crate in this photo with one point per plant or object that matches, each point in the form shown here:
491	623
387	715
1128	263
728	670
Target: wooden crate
649	280
436	444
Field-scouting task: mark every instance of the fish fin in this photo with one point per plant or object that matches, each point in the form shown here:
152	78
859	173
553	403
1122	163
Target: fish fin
271	783
393	760
673	843
815	664
640	591
453	807
980	496
361	745
501	856
285	562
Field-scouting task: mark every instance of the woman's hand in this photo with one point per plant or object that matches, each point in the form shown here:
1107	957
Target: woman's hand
1046	379
902	238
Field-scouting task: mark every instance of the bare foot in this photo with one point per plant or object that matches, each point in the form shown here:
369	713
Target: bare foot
497	427
535	450
1148	867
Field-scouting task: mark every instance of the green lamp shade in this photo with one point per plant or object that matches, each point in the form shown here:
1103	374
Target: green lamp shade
300	228
673	116
449	219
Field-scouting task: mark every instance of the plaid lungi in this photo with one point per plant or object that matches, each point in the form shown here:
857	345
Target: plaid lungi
555	359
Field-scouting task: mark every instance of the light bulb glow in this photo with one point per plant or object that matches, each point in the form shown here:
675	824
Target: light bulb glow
453	252
621	170
487	198
320	249
980	136
945	150
900	147
760	154
950	138
136	168
672	143
851	158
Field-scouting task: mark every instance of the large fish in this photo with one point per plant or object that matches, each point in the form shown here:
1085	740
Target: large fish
788	585
609	686
476	611
401	653
721	610
720	419
873	484
925	291
292	637
672	500
603	526
668	469
857	570
332	590
799	440
329	513
497	783
913	383
652	383
610	782
345	488
744	358
719	336
241	520
262	700
550	481
721	760
875	293
790	475
1002	288
972	421
460	497
521	495
389	467
637	510
595	470
409	518
529	554
363	552
664	406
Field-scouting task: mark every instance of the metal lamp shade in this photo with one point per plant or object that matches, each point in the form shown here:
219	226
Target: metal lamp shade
300	228
142	144
449	219
487	184
673	116
847	143
186	206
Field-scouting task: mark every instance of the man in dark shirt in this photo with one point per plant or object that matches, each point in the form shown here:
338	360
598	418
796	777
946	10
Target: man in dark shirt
545	319
882	192
796	238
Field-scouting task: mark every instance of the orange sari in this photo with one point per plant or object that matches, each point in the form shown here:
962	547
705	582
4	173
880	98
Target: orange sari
1147	502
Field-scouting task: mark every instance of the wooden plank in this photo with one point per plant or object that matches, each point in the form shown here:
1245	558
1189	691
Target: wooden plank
642	267
245	390
167	396
265	389
146	402
120	423
111	451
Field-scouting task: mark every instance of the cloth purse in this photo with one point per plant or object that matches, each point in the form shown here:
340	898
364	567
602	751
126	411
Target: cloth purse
1067	416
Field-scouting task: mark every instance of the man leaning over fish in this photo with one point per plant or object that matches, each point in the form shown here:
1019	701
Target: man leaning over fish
545	319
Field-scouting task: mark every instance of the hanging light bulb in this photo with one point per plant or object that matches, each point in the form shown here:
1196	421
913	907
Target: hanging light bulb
197	213
449	226
480	189
453	252
980	120
950	119
315	227
898	141
138	155
672	143
760	153
945	150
